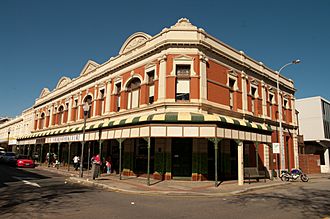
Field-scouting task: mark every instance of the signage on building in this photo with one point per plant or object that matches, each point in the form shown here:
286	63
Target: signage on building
40	141
66	138
12	142
276	148
26	142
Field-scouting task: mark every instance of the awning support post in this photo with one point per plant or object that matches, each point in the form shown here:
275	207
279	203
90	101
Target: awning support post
100	149
49	145
69	150
257	154
240	160
120	141
89	156
215	142
40	155
58	151
148	168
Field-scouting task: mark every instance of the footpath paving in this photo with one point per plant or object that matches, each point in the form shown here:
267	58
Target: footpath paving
138	185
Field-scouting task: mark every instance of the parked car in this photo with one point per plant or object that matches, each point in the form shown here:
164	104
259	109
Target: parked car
9	158
24	161
2	153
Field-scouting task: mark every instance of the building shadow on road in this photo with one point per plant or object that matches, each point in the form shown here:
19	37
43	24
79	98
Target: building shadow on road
309	202
20	174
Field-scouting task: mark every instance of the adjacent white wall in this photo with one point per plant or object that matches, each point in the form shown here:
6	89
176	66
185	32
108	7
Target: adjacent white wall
310	118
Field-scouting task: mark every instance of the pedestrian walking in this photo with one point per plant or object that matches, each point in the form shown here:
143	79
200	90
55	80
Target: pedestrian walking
76	162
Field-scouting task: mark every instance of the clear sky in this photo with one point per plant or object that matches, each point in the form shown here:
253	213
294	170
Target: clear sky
43	40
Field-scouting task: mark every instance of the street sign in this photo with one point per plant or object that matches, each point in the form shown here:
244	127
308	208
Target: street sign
276	148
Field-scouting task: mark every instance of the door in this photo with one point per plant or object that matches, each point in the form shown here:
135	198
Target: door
181	157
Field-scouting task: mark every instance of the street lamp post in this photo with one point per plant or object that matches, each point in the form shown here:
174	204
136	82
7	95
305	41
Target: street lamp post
8	138
279	102
86	109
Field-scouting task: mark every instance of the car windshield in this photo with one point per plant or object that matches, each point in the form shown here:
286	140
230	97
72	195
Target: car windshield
23	157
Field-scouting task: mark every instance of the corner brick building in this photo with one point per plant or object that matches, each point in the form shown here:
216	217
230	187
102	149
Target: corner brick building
180	104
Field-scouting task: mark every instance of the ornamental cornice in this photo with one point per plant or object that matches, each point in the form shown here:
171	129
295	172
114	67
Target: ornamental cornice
169	37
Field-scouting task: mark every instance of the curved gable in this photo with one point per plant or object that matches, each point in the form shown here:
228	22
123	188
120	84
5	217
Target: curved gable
89	66
62	82
134	41
44	92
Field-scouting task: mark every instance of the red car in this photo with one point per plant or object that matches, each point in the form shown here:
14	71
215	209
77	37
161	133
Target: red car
25	161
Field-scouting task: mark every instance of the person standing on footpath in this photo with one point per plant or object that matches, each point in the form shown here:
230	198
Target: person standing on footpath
96	166
108	164
76	162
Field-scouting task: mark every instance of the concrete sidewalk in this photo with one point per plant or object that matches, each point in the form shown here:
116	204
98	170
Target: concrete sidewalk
138	185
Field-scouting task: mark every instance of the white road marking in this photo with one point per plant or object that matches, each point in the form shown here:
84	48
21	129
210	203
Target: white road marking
31	183
27	182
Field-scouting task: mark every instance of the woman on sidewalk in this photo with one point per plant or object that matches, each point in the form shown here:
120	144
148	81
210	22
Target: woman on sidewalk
108	164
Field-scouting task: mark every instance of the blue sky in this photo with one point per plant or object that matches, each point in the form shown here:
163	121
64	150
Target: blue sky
41	41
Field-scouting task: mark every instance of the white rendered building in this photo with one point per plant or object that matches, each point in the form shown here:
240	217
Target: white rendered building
314	125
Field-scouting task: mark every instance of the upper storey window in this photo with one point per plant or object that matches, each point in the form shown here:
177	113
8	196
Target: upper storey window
286	103
182	82
88	99
75	111
133	93
254	95
151	78
60	114
285	106
117	92
232	87
101	103
42	121
183	70
271	102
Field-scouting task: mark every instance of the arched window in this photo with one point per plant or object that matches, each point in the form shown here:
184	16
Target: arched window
60	114
88	99
42	121
133	93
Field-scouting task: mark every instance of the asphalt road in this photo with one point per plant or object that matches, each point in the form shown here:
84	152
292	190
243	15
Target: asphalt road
34	193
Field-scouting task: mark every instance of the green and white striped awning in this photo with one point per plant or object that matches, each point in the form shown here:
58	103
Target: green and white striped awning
169	117
182	117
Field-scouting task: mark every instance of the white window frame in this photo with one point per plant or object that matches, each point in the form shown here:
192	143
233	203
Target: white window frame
183	60
185	87
271	103
62	114
133	102
116	92
285	103
254	97
102	98
151	87
232	75
43	122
